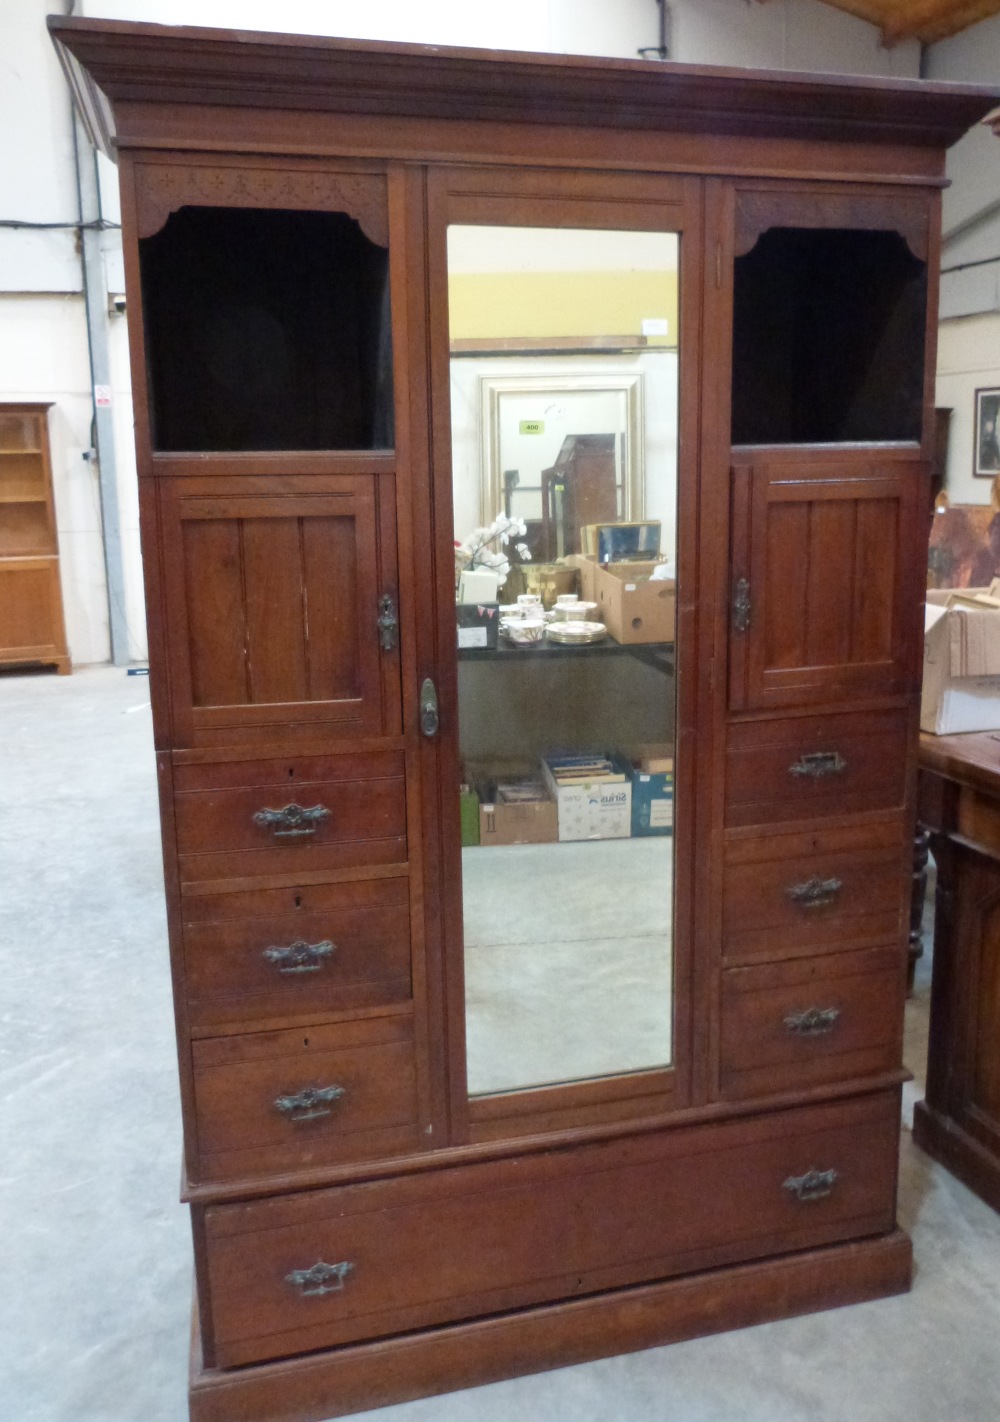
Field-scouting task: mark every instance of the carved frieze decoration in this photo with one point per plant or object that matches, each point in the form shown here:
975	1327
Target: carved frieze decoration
162	189
757	212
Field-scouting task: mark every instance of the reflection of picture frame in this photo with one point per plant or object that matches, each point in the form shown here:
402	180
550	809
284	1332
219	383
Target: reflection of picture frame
964	547
986	450
520	400
622	542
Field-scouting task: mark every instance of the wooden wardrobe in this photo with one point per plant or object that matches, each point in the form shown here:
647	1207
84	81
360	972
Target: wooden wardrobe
365	1230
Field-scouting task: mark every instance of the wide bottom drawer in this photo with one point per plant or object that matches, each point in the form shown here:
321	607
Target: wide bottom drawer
306	1271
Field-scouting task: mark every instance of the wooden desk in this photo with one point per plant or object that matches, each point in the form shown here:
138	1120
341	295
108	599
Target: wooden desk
959	1121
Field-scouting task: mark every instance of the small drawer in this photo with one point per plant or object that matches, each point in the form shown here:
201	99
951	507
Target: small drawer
792	895
280	1101
326	1267
807	767
312	948
797	1024
239	818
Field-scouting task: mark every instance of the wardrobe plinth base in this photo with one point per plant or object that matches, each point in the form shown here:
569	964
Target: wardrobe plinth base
340	1381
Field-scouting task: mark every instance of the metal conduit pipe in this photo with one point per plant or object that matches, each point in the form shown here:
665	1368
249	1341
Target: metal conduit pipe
102	426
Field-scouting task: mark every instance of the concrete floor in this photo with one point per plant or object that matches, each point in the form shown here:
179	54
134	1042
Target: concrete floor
94	1248
554	996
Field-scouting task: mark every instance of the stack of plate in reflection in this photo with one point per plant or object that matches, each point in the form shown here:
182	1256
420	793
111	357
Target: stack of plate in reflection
574	622
574	611
575	632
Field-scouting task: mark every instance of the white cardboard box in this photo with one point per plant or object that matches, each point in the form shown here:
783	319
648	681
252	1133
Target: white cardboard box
595	809
961	685
478	585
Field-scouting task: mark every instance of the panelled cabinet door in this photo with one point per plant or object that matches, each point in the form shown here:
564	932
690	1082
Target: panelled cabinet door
281	600
826	574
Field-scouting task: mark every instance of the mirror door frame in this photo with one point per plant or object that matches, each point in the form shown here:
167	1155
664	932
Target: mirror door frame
539	197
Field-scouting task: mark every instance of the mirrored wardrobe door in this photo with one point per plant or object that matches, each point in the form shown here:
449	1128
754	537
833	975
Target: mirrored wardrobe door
565	435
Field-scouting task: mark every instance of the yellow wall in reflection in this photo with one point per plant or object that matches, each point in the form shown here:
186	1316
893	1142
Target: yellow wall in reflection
535	305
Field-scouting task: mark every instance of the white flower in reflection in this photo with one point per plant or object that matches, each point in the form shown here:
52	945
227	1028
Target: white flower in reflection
482	548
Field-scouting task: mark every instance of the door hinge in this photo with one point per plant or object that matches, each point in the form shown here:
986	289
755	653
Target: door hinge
741	605
388	623
429	719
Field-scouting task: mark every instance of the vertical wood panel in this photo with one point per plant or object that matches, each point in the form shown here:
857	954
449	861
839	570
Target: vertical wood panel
406	508
830	585
786	584
876	560
25	607
276	648
330	561
986	1057
162	670
835	571
388	581
959	1122
281	579
740	568
216	622
367	589
705	337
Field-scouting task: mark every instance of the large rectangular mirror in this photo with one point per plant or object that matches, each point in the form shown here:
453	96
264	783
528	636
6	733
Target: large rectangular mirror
564	398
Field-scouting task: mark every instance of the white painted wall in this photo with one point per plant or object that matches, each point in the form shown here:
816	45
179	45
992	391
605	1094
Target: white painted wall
783	34
972	203
969	335
968	360
36	154
43	346
43	331
43	356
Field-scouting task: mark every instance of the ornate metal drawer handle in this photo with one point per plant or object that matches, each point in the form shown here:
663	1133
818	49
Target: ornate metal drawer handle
815	892
814	1185
814	1022
320	1279
300	956
291	822
819	763
310	1103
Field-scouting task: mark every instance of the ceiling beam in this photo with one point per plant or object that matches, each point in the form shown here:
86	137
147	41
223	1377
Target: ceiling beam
930	20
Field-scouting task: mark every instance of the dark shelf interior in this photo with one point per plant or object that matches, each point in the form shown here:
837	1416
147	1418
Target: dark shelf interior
267	329
828	338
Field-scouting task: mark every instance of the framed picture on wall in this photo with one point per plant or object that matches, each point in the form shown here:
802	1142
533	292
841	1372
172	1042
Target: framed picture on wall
986	456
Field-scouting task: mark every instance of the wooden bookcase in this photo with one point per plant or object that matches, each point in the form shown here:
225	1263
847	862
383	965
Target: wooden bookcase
32	628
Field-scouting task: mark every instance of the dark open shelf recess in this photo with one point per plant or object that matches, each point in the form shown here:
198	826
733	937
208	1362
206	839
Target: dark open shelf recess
828	338
267	329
